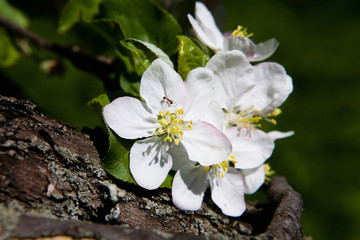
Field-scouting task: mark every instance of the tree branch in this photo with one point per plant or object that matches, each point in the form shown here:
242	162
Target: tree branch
49	171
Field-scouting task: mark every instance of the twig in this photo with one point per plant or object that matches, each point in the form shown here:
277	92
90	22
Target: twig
83	62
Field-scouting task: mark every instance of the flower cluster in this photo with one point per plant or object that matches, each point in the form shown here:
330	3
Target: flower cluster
207	129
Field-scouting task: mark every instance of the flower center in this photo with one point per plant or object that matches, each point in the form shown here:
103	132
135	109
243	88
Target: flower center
172	126
222	167
249	117
240	31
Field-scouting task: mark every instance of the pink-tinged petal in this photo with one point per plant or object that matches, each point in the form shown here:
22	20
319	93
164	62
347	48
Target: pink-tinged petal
179	155
130	118
272	87
275	135
233	75
264	50
253	179
251	147
200	86
149	162
161	87
206	144
228	193
243	44
205	27
189	186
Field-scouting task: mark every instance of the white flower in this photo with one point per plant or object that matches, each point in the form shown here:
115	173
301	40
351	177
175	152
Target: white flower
248	93
245	94
168	121
227	187
242	172
206	30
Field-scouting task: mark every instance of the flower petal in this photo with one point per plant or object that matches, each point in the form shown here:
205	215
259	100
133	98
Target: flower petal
159	81
264	50
206	144
251	147
130	118
243	44
179	155
215	116
189	186
200	86
228	193
275	135
149	162
253	179
205	27
272	88
234	77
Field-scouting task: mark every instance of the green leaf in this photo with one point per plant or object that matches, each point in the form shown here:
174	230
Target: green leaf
97	105
116	160
190	56
128	87
74	10
146	52
13	14
8	53
143	20
168	181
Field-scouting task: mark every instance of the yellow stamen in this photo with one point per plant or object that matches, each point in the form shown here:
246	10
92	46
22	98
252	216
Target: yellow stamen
240	31
268	173
172	126
276	112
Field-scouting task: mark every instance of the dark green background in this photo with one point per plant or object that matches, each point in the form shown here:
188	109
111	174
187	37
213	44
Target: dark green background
319	49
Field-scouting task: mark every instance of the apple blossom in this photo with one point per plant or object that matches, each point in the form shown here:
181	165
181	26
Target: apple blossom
226	183
207	31
169	121
246	93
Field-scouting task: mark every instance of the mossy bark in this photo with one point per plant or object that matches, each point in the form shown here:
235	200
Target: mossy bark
52	183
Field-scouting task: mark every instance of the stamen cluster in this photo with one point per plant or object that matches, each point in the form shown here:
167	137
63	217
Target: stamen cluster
240	31
222	167
172	126
247	118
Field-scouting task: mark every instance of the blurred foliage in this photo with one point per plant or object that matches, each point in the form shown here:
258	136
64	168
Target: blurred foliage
319	49
12	13
76	10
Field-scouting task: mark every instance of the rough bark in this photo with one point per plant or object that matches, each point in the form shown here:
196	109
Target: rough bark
52	184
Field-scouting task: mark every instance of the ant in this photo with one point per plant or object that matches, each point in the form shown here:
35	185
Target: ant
168	100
